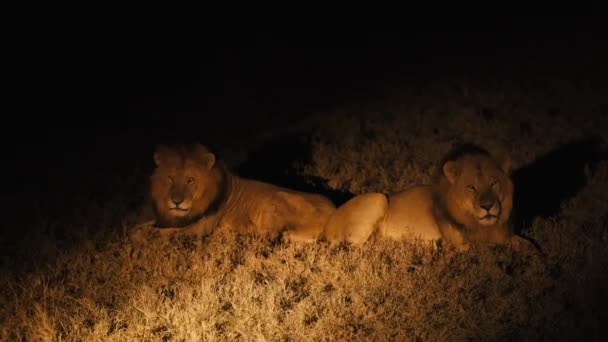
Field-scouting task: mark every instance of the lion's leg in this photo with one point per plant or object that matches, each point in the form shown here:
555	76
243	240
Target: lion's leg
304	234
357	220
504	237
203	226
140	233
143	232
304	216
175	231
454	237
144	225
521	244
307	228
490	237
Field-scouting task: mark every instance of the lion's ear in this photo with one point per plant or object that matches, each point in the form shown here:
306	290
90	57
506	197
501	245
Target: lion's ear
204	156
209	160
507	165
451	170
162	154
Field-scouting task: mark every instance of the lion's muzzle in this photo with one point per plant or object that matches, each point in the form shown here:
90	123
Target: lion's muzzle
488	211
179	208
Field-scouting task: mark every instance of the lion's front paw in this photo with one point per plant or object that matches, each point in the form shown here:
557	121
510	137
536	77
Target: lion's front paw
523	245
142	233
292	236
462	247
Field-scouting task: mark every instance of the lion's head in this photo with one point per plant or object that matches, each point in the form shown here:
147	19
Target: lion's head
185	185
475	190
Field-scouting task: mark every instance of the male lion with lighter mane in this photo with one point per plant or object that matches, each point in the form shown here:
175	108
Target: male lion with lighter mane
194	194
469	202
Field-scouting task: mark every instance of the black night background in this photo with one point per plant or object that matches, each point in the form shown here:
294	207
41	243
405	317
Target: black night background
340	112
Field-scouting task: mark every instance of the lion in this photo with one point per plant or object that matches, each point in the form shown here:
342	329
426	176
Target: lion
468	202
192	193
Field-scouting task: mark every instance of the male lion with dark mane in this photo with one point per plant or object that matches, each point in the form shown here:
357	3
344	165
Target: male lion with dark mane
469	202
193	194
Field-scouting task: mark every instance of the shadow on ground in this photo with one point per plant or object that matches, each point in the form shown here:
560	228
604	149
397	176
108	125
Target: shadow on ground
544	184
278	162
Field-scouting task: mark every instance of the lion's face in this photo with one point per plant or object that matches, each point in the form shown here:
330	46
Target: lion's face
480	192
182	185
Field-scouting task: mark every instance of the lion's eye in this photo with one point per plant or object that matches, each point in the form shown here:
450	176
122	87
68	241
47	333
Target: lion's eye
190	180
471	187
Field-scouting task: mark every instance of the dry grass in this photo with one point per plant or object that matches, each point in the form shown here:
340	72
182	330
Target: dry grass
230	287
255	291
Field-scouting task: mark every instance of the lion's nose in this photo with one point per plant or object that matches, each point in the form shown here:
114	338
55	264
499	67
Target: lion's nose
177	200
487	206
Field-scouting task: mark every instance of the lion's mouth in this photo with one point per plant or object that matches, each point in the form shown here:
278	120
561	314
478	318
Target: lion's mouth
488	219
178	210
